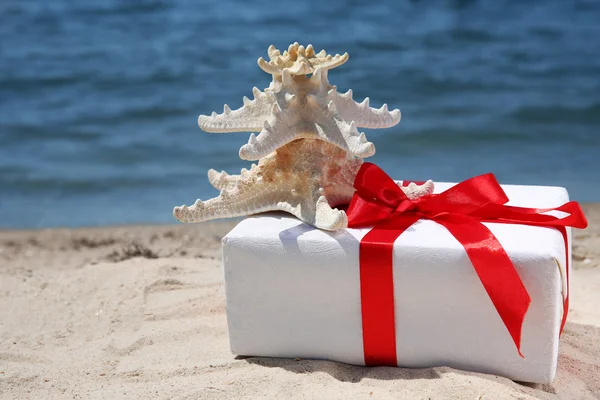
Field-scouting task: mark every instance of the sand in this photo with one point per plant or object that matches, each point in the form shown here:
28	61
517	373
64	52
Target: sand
139	312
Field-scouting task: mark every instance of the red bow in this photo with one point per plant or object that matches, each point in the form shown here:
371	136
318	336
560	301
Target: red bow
380	202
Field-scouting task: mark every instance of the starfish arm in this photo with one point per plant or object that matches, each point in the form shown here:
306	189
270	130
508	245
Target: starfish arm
280	129
222	180
321	80
228	206
328	218
248	118
363	115
313	209
251	195
329	62
268	67
273	52
331	127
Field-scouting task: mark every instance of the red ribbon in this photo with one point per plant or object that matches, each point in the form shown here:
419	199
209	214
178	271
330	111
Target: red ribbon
379	202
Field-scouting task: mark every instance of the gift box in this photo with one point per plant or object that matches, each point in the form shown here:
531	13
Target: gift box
295	291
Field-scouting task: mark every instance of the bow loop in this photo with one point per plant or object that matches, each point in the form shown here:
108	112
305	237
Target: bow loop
376	198
467	197
375	185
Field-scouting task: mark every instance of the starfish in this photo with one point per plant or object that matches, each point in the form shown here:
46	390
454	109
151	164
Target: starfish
307	178
301	107
299	60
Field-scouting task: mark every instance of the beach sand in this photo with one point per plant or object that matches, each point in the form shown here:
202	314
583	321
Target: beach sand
139	312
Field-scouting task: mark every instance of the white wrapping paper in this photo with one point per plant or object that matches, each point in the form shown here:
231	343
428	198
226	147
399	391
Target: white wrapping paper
294	291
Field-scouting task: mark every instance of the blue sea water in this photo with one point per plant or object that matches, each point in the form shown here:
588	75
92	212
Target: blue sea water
99	99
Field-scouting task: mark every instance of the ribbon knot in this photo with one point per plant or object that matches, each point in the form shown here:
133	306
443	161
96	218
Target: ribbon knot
381	203
406	205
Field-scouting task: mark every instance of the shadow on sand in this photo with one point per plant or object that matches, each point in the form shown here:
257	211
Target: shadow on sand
344	372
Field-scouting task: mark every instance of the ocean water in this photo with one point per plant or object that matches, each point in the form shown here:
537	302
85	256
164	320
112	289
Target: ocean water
99	99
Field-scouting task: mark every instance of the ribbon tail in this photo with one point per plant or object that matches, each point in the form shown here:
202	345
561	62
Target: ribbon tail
377	290
496	272
563	232
533	216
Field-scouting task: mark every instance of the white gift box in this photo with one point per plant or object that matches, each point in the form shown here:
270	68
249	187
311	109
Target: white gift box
294	291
